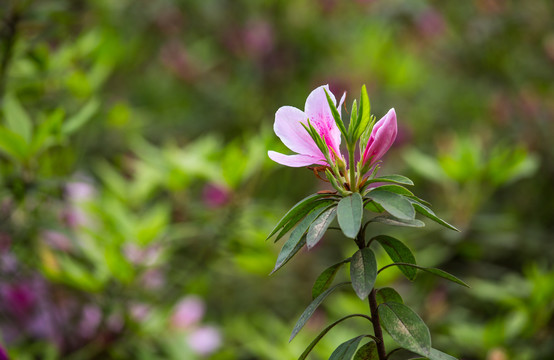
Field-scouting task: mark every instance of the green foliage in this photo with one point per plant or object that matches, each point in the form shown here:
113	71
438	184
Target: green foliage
349	214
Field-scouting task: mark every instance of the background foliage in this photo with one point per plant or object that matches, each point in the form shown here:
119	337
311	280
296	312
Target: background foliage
136	194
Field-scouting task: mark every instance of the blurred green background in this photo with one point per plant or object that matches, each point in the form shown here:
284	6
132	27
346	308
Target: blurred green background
136	192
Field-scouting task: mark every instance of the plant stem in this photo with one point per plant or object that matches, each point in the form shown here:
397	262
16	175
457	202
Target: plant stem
378	332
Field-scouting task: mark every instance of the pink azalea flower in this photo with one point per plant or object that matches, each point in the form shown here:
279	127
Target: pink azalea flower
188	312
381	139
288	127
205	340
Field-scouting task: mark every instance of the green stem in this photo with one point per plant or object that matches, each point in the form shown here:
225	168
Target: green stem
352	168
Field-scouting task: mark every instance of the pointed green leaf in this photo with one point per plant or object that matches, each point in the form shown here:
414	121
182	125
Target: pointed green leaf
336	115
397	189
395	179
300	208
350	212
389	220
322	334
367	352
320	226
405	327
364	114
17	119
290	248
346	350
363	272
307	314
396	205
76	121
425	211
353	125
388	294
398	252
12	144
325	279
434	271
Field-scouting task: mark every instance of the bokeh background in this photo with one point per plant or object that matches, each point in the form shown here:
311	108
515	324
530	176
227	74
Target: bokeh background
136	193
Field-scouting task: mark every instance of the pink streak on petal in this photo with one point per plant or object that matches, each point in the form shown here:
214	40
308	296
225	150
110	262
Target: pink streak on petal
297	160
317	109
382	137
288	127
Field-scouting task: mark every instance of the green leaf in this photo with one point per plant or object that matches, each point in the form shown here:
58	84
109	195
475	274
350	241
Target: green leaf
388	294
336	115
437	355
307	314
298	211
425	211
325	279
389	220
363	272
374	207
364	114
290	248
350	212
367	352
434	271
17	119
395	179
398	252
346	350
46	129
405	327
353	125
12	144
397	189
322	334
76	121
396	205
320	226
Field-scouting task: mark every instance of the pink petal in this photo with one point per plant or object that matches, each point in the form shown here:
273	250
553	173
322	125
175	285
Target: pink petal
288	127
382	137
317	109
297	160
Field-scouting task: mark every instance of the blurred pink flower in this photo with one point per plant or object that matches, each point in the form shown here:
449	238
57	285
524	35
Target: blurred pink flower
78	191
153	279
204	340
288	127
19	299
57	240
215	196
258	38
91	317
188	312
381	139
430	23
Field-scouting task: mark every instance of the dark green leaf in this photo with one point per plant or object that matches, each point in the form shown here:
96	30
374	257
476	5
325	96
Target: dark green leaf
326	278
350	212
75	122
367	352
290	248
346	350
398	252
17	119
363	272
389	220
396	205
320	225
434	271
299	210
311	308
425	211
397	189
396	179
388	294
405	327
322	334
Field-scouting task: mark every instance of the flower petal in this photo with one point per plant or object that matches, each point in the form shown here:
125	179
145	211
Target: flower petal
288	127
317	109
382	137
298	160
